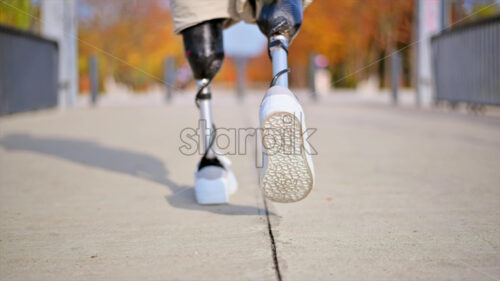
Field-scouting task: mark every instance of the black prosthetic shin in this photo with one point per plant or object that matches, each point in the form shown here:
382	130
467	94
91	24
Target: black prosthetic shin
281	17
204	50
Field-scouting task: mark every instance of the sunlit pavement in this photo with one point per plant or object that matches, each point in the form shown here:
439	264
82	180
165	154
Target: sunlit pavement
104	193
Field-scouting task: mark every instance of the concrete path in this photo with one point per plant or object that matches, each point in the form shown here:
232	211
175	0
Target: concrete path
105	194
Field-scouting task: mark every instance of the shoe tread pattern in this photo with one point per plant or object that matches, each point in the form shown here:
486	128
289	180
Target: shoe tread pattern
287	177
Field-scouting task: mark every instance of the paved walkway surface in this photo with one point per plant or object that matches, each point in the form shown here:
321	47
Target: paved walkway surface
104	194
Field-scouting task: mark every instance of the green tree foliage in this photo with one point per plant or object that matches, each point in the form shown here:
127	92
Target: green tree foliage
485	9
16	13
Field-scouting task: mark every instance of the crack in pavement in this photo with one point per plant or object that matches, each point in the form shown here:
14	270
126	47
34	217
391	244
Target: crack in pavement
273	243
274	251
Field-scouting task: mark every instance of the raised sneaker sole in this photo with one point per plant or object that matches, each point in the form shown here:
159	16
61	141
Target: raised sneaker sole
287	175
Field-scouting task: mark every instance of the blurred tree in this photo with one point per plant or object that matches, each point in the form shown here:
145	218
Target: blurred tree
353	34
16	13
131	39
463	11
485	8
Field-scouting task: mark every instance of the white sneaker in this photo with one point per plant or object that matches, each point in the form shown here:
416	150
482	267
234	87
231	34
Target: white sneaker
288	172
213	184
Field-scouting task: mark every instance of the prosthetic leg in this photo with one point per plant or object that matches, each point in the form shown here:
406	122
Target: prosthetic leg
288	172
214	181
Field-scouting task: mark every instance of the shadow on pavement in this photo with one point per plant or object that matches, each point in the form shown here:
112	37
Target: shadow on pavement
140	165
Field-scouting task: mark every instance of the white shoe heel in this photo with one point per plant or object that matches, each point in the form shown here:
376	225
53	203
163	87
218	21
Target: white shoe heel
214	184
211	186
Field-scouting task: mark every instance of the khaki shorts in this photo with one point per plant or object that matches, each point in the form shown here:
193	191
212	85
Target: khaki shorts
187	13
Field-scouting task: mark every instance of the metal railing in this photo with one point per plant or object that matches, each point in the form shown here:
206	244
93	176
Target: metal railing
466	63
28	71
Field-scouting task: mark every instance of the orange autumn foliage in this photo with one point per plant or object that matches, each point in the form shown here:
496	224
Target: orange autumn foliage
353	32
132	39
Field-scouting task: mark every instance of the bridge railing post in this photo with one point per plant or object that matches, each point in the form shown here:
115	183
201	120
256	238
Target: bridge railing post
94	79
